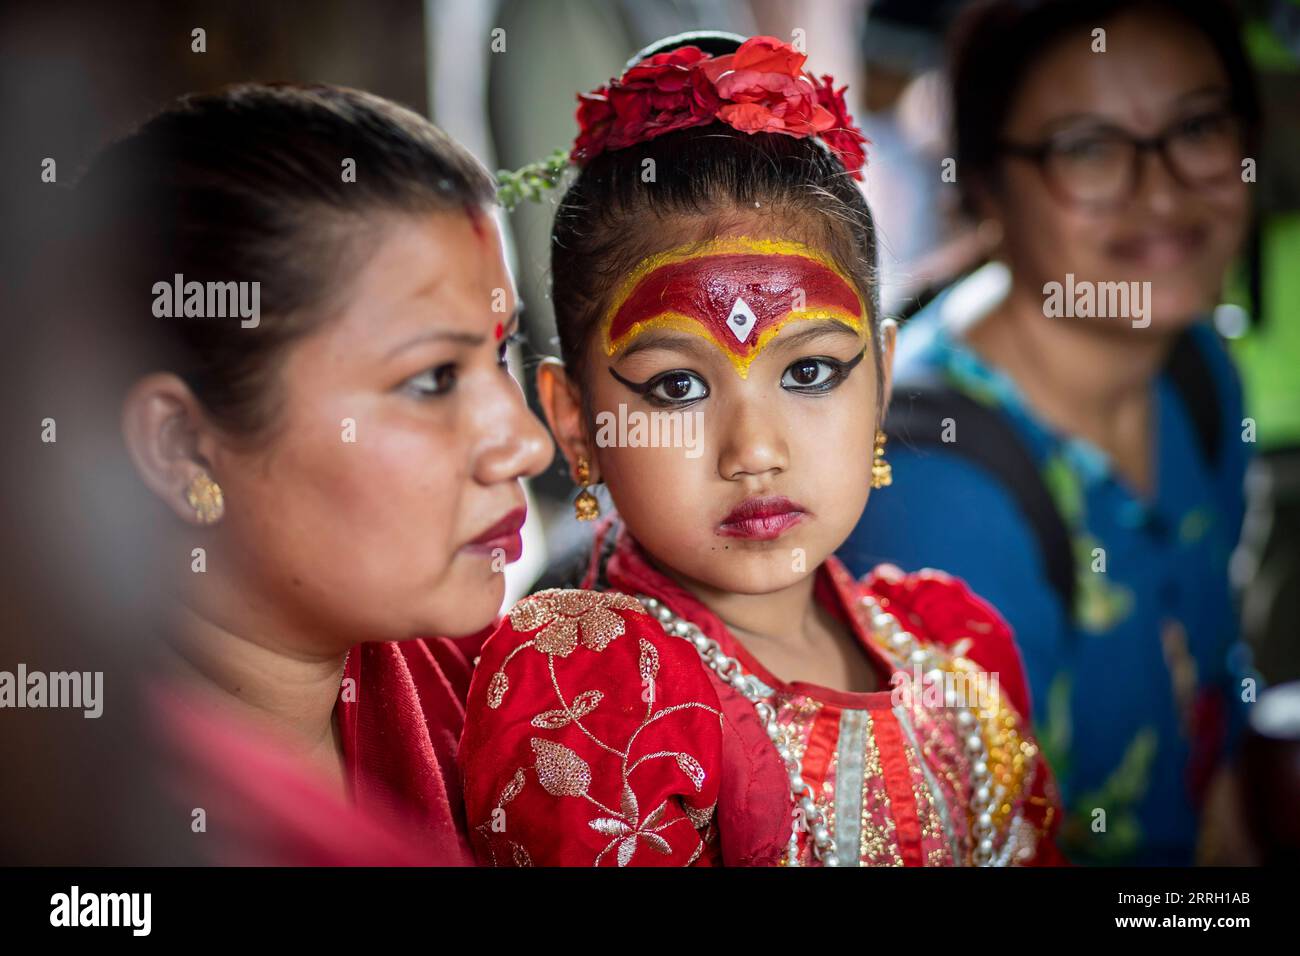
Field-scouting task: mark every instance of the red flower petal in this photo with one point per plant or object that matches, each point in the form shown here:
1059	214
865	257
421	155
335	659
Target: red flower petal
759	88
769	55
751	118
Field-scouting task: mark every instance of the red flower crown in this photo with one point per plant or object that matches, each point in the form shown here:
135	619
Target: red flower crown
761	88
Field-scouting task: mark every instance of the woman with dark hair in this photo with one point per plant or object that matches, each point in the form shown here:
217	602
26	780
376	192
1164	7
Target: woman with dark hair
1070	432
719	690
311	290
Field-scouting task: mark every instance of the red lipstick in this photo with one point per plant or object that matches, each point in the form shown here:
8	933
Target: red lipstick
762	519
503	535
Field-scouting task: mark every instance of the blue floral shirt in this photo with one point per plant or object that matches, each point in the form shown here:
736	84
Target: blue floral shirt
1139	692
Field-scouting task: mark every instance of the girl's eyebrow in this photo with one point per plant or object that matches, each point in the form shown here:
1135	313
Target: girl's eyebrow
829	327
695	346
678	342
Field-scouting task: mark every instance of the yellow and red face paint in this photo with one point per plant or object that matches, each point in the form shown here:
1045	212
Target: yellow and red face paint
736	292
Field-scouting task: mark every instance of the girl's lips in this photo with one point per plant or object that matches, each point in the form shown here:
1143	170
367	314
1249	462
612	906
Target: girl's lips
504	536
762	519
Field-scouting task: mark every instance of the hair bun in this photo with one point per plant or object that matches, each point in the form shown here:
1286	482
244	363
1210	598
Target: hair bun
712	42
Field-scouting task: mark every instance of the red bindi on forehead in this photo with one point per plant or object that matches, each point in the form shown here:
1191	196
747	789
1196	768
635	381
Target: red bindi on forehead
476	220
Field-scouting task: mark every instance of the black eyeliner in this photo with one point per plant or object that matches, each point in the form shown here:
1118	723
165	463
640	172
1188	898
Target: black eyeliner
849	366
841	369
640	388
646	389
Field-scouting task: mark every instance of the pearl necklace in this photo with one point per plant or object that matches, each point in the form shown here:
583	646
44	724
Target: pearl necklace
810	818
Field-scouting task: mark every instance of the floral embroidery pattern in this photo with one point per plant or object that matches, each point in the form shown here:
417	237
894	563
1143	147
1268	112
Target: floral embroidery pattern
565	619
564	615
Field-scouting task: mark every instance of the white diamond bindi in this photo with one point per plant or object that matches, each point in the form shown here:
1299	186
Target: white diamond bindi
741	321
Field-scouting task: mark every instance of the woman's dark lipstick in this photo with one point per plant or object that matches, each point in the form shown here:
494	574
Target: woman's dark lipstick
762	519
503	535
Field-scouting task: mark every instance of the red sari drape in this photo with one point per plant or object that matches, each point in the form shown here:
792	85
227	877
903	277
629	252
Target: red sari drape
400	718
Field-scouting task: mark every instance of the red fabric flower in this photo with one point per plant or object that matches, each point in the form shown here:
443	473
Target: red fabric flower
844	139
658	96
761	88
595	116
766	90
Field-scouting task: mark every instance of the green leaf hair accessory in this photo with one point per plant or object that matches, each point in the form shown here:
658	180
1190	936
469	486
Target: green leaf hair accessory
532	181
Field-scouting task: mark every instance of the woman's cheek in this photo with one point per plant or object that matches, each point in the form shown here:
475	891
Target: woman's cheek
1228	225
398	488
1051	239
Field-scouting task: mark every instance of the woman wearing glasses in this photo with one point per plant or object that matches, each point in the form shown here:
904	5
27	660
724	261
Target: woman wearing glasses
1075	420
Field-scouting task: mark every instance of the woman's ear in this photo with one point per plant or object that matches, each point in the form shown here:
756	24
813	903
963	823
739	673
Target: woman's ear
888	338
169	440
561	402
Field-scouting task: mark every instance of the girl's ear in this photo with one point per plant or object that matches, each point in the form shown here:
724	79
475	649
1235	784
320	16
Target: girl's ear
561	402
888	338
169	439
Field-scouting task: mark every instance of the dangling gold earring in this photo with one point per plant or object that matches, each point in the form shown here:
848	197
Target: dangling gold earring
204	496
585	506
882	473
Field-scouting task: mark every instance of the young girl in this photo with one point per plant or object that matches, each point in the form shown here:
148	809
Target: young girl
721	691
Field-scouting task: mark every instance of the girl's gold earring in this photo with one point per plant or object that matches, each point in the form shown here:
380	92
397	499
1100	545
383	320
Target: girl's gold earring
585	506
205	497
882	473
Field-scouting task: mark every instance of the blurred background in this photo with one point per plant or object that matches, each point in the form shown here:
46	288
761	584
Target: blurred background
73	75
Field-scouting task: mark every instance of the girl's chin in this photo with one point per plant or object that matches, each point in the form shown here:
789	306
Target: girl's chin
754	574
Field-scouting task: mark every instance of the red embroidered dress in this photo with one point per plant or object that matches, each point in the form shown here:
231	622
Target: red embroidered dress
595	735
